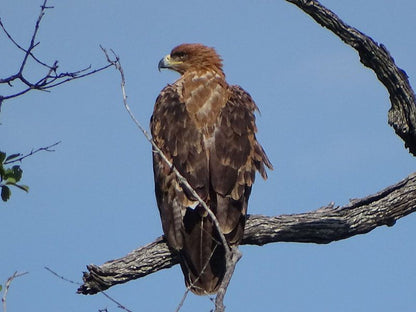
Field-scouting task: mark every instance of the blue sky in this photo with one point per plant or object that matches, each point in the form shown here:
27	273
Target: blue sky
323	124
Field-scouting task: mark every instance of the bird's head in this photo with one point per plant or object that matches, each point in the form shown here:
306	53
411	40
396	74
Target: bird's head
192	57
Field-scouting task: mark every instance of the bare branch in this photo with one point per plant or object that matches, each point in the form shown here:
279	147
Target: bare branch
185	294
402	114
20	47
7	286
52	78
35	32
46	149
72	76
325	225
119	305
235	256
61	277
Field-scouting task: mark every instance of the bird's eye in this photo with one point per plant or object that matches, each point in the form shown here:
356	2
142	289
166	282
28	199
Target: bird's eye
178	55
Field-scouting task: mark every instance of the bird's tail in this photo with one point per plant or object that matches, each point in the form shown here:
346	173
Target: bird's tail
203	255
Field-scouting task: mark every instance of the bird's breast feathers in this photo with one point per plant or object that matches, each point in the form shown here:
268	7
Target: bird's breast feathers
204	95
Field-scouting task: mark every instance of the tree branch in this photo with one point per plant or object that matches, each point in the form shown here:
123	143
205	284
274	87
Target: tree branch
19	157
325	225
52	77
7	286
402	114
119	305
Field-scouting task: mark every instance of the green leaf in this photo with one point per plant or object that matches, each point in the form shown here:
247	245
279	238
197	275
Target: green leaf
2	157
5	193
17	173
1	287
22	187
13	156
11	180
14	172
8	173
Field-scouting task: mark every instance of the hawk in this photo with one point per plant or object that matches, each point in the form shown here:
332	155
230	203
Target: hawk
206	128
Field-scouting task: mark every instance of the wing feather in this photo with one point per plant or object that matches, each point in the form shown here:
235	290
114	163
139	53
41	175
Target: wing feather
219	162
234	159
174	133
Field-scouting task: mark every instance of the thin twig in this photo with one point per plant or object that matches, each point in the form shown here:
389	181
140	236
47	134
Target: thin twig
73	76
46	149
219	300
7	286
196	280
51	79
19	46
119	305
185	294
61	277
32	40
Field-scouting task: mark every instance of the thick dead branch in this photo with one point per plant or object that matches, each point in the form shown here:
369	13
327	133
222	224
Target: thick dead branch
402	114
325	225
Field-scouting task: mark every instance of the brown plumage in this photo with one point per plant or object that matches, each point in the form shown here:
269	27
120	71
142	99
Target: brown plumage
206	128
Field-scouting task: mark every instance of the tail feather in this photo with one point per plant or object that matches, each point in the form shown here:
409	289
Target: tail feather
203	255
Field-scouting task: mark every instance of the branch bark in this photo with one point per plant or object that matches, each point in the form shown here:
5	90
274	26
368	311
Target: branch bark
325	225
402	114
7	286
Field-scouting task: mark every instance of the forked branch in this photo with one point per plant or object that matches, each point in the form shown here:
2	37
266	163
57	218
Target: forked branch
52	78
7	287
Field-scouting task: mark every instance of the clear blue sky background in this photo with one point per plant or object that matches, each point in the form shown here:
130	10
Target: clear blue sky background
323	123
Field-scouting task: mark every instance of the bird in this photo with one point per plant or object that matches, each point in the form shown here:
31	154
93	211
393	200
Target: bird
206	129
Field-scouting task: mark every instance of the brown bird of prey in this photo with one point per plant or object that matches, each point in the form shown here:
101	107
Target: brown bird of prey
206	128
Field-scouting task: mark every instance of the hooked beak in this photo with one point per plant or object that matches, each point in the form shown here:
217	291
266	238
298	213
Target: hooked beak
164	62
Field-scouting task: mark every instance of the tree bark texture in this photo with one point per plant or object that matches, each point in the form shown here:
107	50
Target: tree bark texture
402	114
325	225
